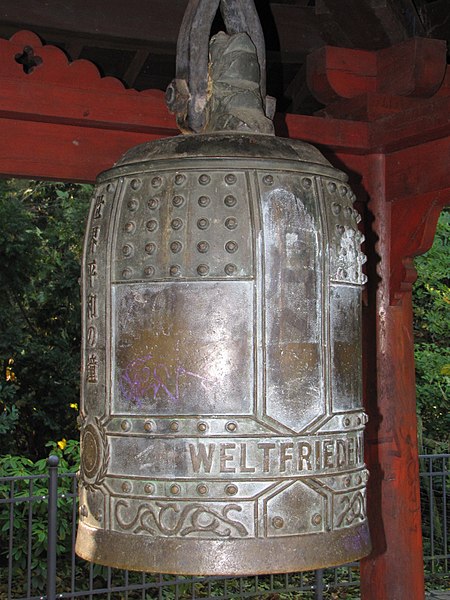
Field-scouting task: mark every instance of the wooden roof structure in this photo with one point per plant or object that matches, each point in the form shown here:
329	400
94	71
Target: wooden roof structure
135	41
365	80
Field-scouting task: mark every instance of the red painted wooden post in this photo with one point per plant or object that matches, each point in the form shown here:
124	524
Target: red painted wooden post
404	228
407	188
63	121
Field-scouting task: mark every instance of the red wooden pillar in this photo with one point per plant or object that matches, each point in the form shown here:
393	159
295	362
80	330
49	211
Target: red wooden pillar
385	122
394	570
403	177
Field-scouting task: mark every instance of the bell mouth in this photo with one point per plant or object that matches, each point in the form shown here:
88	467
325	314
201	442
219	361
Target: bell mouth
206	557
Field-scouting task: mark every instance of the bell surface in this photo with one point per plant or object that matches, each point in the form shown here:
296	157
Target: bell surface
222	427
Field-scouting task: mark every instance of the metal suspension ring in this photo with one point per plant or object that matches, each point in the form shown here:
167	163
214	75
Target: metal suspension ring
187	94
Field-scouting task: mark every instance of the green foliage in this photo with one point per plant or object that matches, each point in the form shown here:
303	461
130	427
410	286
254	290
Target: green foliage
9	419
30	539
41	245
431	299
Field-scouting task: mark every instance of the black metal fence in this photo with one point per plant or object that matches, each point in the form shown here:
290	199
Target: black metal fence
435	503
38	516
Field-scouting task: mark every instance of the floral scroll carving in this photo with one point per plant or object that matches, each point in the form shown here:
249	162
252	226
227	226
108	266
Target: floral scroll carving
354	508
172	520
96	454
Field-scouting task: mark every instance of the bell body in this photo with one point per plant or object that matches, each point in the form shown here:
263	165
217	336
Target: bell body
222	428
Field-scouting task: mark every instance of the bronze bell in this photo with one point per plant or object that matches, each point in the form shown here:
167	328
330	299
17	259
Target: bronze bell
222	428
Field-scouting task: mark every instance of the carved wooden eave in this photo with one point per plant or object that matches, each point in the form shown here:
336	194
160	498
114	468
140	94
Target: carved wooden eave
75	122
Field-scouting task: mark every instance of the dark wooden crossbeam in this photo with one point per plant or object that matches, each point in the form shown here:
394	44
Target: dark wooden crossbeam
373	24
290	25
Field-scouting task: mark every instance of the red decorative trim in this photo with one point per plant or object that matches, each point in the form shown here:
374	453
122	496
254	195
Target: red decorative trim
55	90
55	66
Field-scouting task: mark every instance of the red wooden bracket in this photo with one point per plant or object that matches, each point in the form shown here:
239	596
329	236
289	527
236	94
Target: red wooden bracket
362	84
335	73
414	223
417	187
414	68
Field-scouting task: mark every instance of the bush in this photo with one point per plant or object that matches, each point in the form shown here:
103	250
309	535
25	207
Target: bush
431	297
41	245
30	518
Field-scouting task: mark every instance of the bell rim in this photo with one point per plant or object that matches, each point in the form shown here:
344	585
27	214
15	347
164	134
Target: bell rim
202	557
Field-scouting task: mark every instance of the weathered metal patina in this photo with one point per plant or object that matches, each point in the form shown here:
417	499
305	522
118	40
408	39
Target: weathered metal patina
221	409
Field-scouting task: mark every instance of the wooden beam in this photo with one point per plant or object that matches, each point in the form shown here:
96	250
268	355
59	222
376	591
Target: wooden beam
135	67
104	103
373	25
287	28
418	124
419	170
414	68
396	122
344	135
134	19
78	95
60	151
145	113
391	433
297	90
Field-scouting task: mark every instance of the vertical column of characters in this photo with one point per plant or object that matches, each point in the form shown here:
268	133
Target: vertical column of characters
94	300
95	443
92	296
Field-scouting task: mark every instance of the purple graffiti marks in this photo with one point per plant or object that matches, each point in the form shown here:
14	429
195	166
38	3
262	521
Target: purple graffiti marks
146	379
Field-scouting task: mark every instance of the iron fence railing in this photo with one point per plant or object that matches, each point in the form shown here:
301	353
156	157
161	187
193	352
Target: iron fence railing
435	503
37	560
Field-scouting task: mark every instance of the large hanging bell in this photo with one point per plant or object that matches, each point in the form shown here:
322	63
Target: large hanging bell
222	428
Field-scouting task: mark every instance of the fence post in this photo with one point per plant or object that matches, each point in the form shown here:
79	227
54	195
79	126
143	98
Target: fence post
318	584
52	462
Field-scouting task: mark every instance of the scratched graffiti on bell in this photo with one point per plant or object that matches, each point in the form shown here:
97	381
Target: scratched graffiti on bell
148	379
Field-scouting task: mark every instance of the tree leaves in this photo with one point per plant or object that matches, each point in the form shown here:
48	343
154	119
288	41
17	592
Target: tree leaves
431	299
41	247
